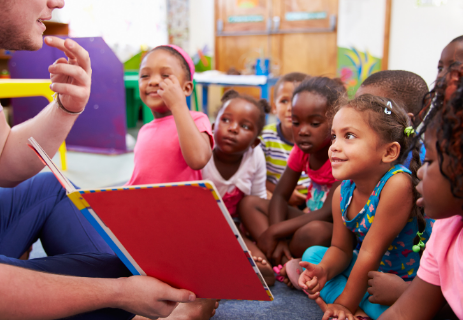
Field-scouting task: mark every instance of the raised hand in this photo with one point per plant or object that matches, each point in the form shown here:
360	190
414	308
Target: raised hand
172	93
149	297
71	77
312	279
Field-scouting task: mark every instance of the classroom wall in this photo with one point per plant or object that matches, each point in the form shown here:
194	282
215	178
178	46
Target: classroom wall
201	26
419	33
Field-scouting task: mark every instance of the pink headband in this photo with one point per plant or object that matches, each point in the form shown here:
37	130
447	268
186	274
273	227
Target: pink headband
185	56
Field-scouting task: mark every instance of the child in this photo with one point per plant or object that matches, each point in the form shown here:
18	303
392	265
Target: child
387	288
237	166
439	278
272	222
375	203
277	139
176	145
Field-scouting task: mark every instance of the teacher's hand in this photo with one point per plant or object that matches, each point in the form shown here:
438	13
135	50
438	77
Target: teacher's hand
71	77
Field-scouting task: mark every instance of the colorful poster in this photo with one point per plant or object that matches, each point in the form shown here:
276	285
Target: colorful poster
360	40
247	4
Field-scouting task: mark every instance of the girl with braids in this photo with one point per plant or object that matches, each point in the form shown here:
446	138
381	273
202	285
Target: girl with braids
440	276
375	204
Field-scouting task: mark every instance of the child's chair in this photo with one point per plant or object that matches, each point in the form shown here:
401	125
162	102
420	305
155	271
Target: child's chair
19	88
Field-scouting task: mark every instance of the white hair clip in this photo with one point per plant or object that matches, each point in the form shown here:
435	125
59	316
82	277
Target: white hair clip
386	110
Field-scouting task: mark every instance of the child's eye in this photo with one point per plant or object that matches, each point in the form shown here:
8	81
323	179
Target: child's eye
333	137
245	126
350	136
143	76
315	124
427	161
225	120
295	123
440	68
284	101
165	76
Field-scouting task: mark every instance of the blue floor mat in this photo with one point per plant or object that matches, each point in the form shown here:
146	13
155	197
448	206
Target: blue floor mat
288	304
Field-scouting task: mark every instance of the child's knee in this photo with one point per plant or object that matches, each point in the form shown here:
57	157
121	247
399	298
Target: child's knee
314	254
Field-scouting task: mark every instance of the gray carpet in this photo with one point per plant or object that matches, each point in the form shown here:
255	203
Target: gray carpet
288	304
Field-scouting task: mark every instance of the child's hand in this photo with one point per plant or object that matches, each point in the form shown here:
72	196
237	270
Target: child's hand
336	311
312	279
385	288
267	243
282	249
297	198
171	92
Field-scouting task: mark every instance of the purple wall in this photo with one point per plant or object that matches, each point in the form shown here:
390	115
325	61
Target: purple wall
102	127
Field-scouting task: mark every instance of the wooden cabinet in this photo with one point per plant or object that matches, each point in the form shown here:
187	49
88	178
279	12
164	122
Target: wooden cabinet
297	35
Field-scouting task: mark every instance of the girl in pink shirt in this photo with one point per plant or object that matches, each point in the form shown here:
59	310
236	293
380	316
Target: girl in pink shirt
177	144
440	276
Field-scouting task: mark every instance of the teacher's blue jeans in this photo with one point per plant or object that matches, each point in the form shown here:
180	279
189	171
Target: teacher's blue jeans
39	208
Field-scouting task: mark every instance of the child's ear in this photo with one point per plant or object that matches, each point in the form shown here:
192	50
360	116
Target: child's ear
392	152
411	116
188	88
273	110
256	143
213	126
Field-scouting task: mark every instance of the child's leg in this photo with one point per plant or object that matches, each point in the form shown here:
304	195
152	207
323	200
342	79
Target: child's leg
333	288
253	212
261	261
373	310
314	233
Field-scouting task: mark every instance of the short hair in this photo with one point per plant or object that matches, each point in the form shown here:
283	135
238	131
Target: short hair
404	87
457	39
289	77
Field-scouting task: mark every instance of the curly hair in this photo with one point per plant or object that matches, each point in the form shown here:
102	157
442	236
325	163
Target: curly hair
294	77
446	118
389	121
262	105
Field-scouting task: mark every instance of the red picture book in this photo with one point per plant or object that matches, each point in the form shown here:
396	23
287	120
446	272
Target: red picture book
179	233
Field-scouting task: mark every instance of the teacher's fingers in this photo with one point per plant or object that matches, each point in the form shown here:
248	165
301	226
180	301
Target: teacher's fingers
75	72
76	54
80	93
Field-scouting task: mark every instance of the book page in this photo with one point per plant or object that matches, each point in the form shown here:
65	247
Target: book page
34	145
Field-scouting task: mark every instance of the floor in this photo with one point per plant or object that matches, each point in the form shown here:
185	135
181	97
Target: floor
90	171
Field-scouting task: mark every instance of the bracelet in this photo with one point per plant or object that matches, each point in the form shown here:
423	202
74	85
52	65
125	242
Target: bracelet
60	105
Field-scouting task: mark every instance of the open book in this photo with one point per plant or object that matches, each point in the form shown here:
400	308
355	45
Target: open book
179	233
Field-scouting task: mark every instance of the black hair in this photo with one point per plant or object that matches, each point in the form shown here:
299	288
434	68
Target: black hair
262	105
294	77
404	87
175	53
332	90
446	118
389	121
457	39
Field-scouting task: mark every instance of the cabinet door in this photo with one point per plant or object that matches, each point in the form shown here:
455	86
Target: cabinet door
292	16
242	16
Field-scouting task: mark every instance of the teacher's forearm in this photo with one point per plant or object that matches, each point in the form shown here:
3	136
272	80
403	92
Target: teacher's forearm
28	294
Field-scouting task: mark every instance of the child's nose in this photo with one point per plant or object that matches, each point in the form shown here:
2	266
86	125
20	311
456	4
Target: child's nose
304	131
154	80
233	127
334	146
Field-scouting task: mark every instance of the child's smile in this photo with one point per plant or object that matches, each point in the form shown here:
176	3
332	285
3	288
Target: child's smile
157	66
352	138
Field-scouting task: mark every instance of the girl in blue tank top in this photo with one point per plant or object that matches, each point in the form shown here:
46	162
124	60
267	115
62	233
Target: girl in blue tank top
375	206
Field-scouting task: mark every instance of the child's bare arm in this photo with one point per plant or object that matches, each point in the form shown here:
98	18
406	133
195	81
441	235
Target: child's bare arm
195	145
288	227
421	300
278	208
391	216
